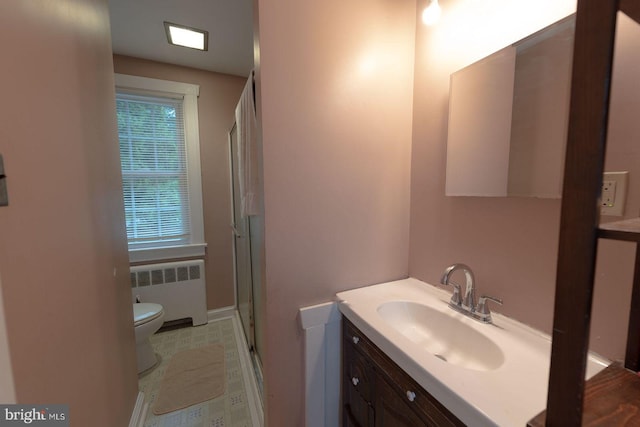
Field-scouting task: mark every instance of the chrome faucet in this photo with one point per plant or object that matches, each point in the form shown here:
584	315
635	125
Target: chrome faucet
469	293
467	304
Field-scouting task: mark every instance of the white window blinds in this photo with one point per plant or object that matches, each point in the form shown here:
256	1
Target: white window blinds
154	170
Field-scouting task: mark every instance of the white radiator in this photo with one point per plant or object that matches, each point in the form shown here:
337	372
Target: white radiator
178	286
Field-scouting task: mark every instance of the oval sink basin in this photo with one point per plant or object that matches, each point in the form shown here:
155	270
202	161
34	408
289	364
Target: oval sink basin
443	335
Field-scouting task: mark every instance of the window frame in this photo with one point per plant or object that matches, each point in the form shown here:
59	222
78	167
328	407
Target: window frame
189	94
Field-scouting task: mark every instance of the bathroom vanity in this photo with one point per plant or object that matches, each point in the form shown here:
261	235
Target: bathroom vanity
377	392
410	360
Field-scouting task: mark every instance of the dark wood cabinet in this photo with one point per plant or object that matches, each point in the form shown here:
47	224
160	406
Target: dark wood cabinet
378	393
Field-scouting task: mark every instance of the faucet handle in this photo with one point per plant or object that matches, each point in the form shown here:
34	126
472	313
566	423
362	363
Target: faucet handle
483	310
482	303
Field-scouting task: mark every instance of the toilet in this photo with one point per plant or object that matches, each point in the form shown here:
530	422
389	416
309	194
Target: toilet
147	319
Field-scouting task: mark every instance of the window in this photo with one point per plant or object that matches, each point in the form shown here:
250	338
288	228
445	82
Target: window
159	155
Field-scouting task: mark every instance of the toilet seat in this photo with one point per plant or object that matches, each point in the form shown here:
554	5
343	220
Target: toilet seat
145	312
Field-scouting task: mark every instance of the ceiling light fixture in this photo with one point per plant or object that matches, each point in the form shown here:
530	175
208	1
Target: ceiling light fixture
431	13
181	35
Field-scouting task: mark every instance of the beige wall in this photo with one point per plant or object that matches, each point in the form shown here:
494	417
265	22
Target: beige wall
511	243
336	87
219	95
63	253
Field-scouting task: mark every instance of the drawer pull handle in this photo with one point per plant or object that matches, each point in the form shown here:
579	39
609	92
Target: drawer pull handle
411	396
356	340
355	380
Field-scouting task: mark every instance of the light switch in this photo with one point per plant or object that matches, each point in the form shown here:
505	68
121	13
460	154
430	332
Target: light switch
4	196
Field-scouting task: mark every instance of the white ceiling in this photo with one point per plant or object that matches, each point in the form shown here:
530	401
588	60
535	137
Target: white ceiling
137	29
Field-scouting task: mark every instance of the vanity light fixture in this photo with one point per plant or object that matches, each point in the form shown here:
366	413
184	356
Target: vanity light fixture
181	35
431	13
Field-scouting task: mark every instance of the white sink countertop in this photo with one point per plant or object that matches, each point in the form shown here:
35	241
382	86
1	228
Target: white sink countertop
507	393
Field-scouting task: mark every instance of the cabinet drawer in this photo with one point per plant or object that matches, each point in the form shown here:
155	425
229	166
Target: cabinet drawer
358	340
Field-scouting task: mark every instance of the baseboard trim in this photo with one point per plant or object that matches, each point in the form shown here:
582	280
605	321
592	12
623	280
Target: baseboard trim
139	414
220	313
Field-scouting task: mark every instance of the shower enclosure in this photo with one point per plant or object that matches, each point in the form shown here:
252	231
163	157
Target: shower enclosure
242	247
247	237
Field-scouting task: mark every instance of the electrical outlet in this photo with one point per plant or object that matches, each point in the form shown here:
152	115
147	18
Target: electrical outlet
614	193
608	193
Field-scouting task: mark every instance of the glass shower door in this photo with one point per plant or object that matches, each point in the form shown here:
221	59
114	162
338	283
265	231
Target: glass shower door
242	248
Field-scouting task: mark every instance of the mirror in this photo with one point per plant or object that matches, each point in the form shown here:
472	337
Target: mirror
508	117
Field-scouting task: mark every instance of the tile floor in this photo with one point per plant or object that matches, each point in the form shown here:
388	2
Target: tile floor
239	405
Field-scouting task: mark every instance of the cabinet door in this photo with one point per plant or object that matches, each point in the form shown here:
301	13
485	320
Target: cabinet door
358	413
393	409
357	388
358	372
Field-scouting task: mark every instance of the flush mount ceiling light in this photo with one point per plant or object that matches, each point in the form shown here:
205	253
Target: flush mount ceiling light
431	13
181	35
